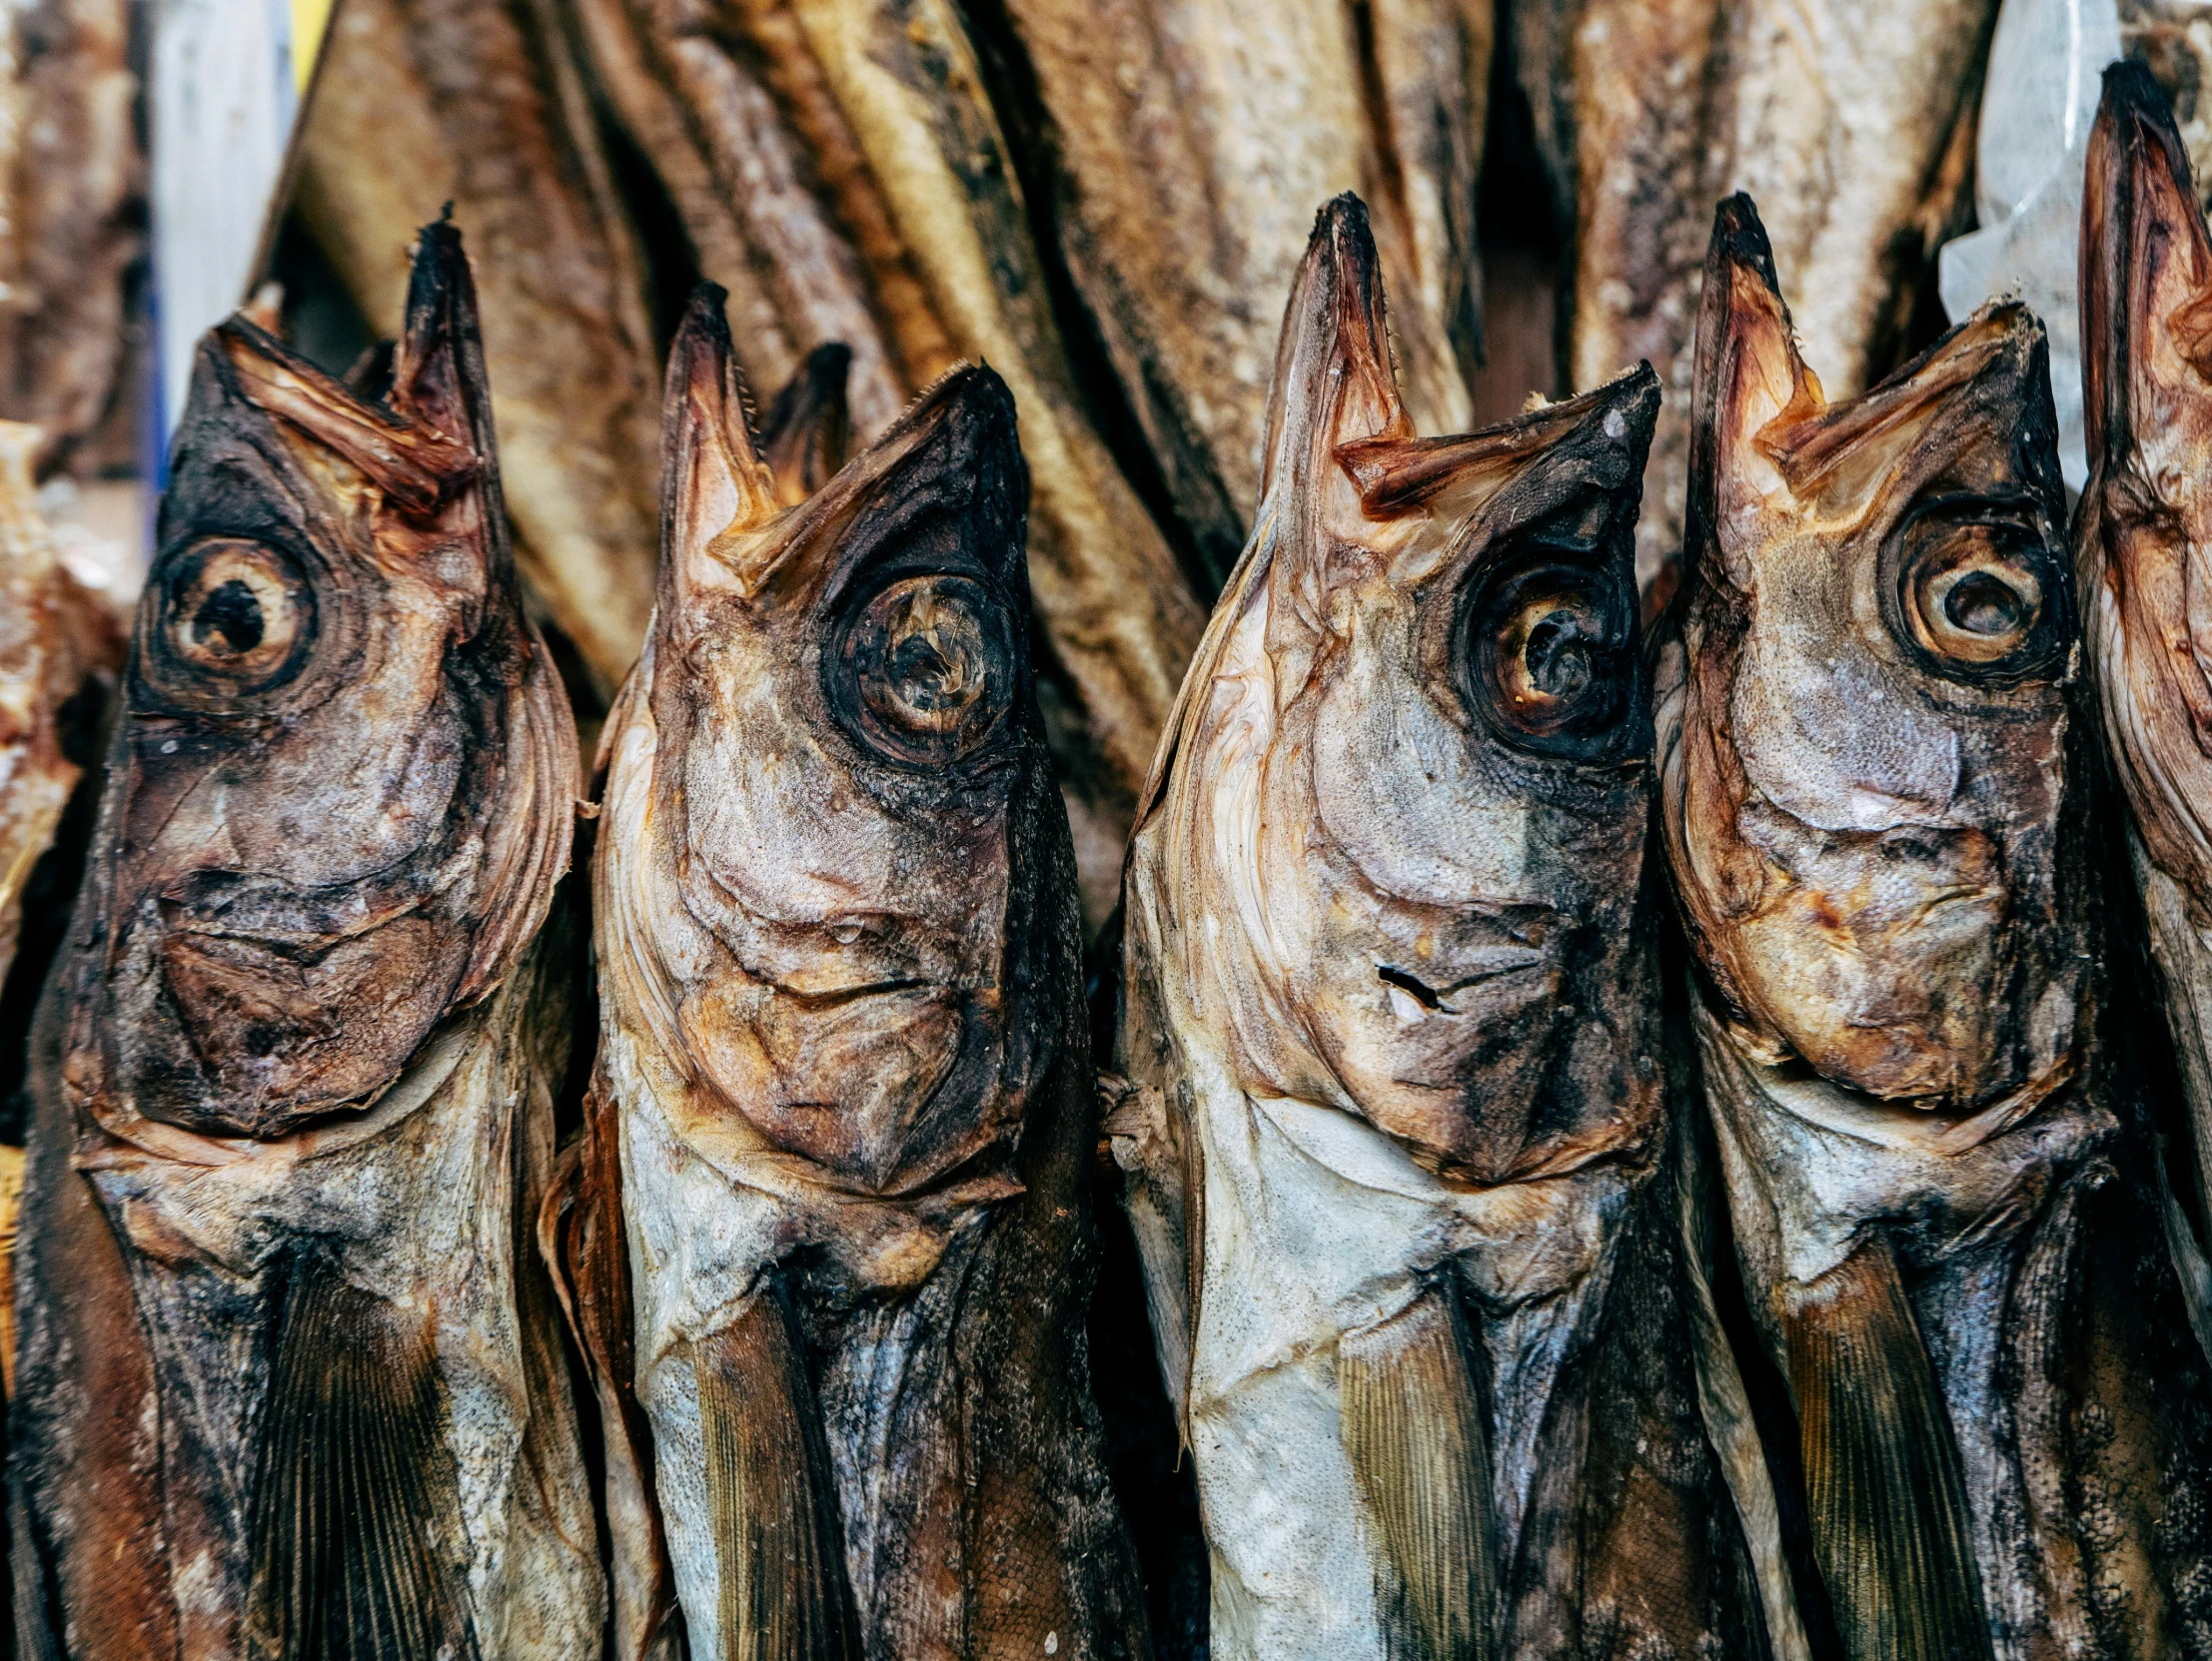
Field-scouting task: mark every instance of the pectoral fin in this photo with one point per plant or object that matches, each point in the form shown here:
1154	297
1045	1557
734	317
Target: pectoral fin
1413	1420
1888	1498
783	1594
356	1500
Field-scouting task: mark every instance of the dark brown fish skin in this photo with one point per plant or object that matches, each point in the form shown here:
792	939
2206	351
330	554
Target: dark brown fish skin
1880	809
1379	792
2143	539
339	799
844	1060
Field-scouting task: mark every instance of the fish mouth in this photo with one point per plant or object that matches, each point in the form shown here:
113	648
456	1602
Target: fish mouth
1430	997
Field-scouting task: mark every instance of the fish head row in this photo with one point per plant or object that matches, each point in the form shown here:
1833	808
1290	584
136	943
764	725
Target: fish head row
2144	526
858	863
1865	789
344	773
1398	824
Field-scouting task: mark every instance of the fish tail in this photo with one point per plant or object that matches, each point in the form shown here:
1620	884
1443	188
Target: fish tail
1414	1428
1884	1484
783	1594
357	1491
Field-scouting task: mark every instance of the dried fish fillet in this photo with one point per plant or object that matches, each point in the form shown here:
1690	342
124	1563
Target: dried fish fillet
293	1076
1228	122
1394	1120
480	106
71	211
826	1239
841	171
1874	804
1854	123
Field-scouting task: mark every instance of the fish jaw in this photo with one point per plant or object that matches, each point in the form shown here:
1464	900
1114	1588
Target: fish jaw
1870	739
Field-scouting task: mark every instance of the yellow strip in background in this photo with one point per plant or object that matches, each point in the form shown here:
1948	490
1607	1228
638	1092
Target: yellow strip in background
310	20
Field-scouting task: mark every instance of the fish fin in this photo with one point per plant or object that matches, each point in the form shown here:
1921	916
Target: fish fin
357	1496
1414	1428
808	432
783	1594
580	1237
1882	1475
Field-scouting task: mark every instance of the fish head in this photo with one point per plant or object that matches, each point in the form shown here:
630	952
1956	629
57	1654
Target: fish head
850	890
1866	805
2144	527
1401	814
345	766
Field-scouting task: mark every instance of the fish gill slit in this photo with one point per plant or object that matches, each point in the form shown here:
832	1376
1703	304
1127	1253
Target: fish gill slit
1413	986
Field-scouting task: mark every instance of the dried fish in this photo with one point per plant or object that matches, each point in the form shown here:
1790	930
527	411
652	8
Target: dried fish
1876	806
1229	122
480	106
1854	123
72	212
841	170
2143	541
1393	1115
291	1382
827	1240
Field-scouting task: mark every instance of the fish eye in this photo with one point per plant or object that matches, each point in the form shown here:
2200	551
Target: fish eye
233	612
1550	660
933	661
1979	597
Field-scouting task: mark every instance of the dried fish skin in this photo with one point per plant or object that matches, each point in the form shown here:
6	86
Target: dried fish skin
1873	801
480	106
1393	1119
845	1065
71	213
1232	121
277	1206
2141	539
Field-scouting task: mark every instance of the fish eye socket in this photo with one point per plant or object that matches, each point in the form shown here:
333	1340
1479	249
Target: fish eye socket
234	612
1551	666
1977	600
933	661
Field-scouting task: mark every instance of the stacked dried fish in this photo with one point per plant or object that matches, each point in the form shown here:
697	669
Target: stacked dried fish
1193	138
290	1384
2144	539
71	211
420	102
1394	1117
827	1242
1876	809
841	171
1854	123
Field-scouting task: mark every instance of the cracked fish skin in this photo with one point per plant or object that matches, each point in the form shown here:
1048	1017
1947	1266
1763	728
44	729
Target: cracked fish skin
1876	807
483	105
1390	1109
293	1078
827	1233
841	170
1229	123
2143	540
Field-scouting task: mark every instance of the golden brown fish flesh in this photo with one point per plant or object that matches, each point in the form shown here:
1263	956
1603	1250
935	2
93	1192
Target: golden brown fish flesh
421	102
827	1242
1877	806
291	1382
1393	1115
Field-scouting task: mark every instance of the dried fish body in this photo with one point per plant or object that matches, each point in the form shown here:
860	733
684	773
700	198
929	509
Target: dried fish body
288	1384
71	211
2142	540
1854	123
1874	805
793	118
1229	122
1393	1117
827	1241
480	106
